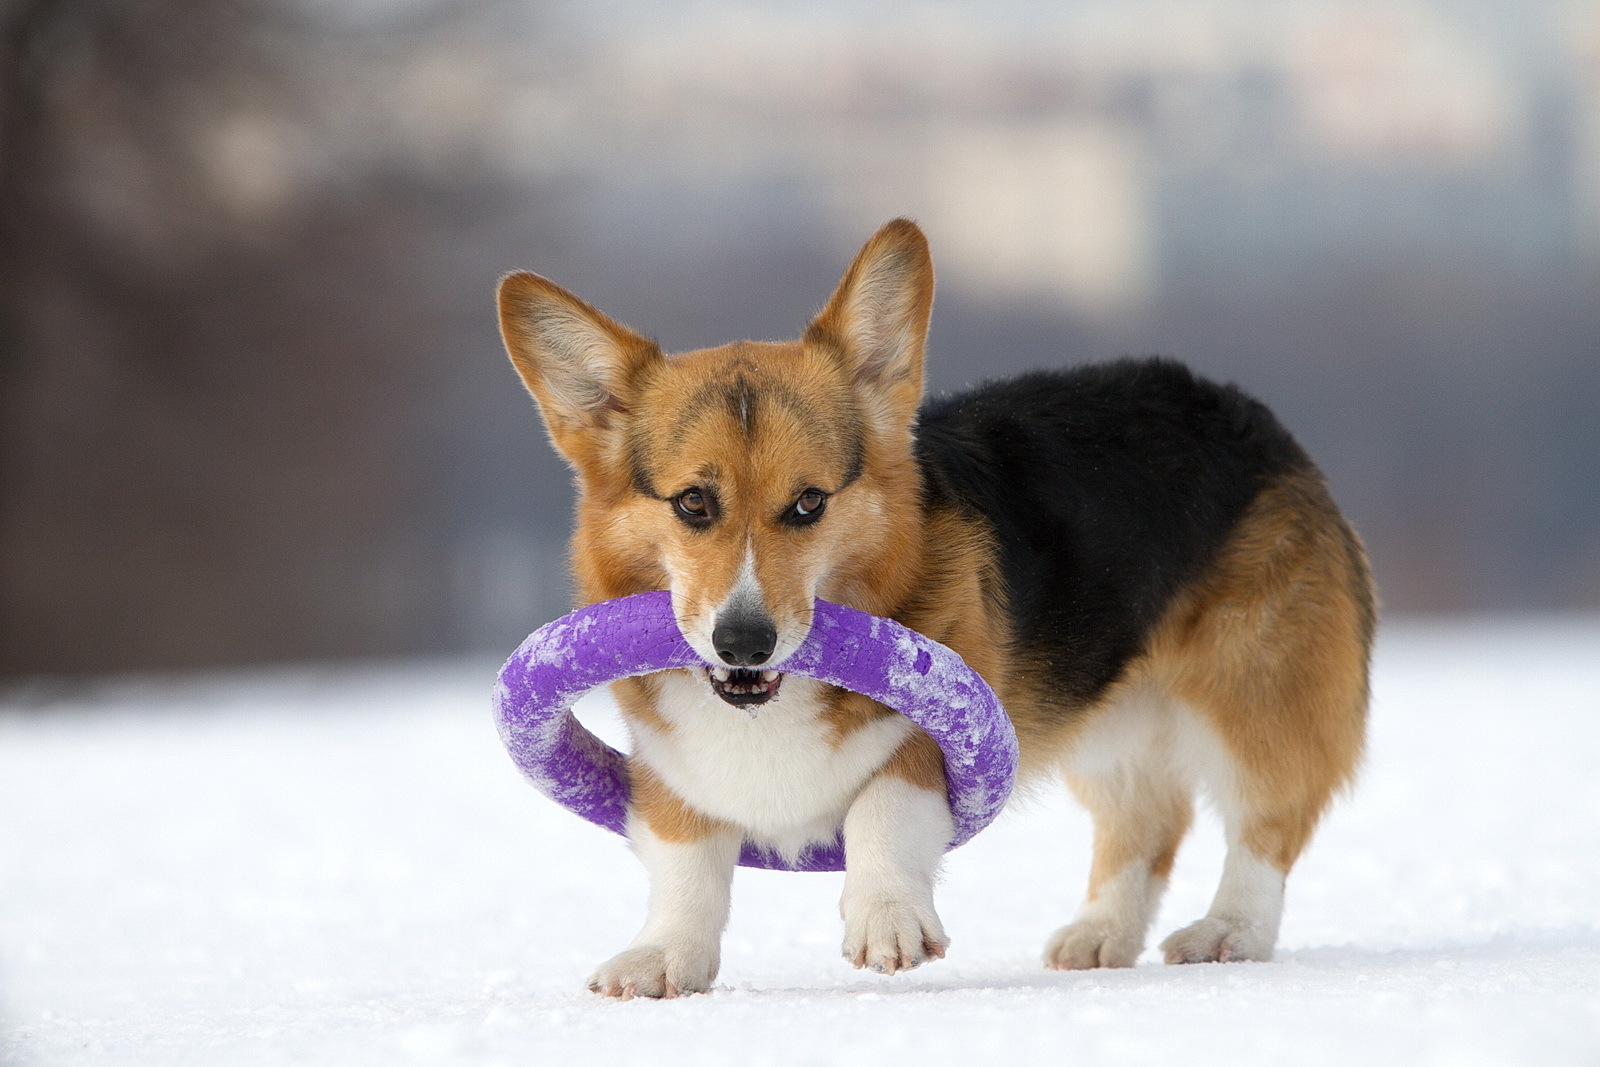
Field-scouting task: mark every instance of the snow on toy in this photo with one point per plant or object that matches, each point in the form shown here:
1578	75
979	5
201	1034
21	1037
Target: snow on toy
879	658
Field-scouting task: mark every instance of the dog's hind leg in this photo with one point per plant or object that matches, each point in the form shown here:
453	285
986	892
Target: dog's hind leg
1263	841
1266	827
1268	658
1120	768
1271	753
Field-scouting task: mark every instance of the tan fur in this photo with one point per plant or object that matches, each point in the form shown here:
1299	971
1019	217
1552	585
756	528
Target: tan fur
603	388
1290	588
1271	648
846	712
1144	822
1268	646
956	602
668	817
918	761
627	544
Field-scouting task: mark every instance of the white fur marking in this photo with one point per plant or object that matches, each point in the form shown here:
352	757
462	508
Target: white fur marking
1242	922
689	884
1251	892
1109	931
679	948
1148	734
779	776
895	836
745	593
1136	732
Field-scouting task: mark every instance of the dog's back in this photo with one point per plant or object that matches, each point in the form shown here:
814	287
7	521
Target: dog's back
1109	489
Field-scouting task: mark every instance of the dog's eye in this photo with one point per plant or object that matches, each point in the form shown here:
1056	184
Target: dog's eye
809	507
693	505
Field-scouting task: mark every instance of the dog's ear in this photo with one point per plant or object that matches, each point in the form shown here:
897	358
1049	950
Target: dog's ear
580	365
876	322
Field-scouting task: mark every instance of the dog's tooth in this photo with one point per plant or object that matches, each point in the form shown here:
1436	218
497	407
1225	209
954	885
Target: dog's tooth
721	674
769	676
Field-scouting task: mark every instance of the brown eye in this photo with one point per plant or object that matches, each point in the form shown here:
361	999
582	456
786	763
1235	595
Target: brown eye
809	507
692	504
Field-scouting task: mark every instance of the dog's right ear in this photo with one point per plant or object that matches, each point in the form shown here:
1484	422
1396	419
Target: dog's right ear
580	365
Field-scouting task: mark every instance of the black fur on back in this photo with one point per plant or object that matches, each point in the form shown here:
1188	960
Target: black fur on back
1109	488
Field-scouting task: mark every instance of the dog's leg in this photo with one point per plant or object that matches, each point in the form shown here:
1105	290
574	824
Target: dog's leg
680	948
691	860
1271	786
1267	823
1270	669
1242	923
1141	810
895	835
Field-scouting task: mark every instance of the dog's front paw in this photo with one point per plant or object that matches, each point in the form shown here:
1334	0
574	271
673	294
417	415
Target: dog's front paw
891	935
655	971
1213	940
1087	944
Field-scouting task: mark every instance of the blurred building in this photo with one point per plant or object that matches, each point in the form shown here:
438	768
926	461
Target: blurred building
253	404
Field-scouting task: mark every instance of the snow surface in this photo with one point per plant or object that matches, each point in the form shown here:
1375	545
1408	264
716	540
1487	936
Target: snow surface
342	867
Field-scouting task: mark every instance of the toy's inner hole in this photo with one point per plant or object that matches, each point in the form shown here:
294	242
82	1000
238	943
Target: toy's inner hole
599	714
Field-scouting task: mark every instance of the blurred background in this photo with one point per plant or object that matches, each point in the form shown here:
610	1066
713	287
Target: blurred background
252	400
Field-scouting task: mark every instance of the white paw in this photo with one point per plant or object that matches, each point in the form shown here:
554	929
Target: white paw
892	935
1087	944
1213	940
655	971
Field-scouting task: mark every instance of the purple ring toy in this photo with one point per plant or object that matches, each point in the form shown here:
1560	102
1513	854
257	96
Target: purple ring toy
879	658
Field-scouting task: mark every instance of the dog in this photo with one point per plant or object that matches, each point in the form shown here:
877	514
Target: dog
1143	564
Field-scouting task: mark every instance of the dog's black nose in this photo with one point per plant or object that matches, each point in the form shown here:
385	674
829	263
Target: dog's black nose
745	640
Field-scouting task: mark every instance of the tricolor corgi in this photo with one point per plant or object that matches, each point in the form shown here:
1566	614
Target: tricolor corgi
1144	565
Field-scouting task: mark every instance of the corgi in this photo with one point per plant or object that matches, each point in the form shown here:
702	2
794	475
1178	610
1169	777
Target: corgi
1144	565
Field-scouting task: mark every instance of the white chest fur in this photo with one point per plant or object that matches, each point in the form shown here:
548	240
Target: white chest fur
780	775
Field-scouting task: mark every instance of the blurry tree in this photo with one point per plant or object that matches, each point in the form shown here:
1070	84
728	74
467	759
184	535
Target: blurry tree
216	343
252	404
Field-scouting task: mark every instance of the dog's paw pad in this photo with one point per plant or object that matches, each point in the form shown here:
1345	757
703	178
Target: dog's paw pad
653	971
892	936
1213	940
1084	945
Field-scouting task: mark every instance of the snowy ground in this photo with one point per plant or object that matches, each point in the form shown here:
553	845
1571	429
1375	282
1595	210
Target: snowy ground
342	867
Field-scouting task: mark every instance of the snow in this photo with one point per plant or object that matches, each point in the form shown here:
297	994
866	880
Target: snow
327	866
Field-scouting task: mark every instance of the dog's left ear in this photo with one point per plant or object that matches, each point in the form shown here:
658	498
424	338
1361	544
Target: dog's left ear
876	323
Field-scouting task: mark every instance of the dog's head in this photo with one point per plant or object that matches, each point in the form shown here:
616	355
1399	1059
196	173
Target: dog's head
747	479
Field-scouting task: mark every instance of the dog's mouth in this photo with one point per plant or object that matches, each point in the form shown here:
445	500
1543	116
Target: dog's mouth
744	688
